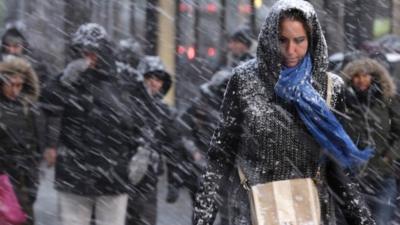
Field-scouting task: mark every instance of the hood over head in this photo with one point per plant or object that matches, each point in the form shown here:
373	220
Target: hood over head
153	66
378	72
14	33
268	53
16	65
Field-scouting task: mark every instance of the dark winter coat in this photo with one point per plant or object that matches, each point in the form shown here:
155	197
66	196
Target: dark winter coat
200	120
203	116
22	130
159	132
374	117
98	134
265	136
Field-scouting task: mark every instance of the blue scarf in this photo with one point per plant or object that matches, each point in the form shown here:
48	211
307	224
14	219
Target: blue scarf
294	86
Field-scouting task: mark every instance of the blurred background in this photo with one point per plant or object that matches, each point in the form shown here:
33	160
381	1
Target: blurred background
191	35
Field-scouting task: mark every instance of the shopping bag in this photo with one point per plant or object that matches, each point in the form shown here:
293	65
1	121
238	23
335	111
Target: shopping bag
11	212
284	202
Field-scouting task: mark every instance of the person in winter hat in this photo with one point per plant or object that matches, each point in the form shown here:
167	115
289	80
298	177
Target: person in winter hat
22	130
97	133
373	114
270	108
15	44
239	47
130	52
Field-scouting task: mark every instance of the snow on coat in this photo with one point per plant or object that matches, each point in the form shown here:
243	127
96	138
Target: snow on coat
265	137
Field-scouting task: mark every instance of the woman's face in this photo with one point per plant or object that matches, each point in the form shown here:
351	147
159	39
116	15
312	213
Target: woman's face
361	81
13	86
293	42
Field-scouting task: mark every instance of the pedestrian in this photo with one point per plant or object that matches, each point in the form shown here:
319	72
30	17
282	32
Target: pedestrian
22	130
239	46
374	121
163	143
96	134
271	123
129	54
198	124
14	43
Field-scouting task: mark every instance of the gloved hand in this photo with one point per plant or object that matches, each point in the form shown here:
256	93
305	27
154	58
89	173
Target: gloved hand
73	70
138	165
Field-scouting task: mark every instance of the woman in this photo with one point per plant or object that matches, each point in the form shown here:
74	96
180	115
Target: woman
268	127
374	120
22	130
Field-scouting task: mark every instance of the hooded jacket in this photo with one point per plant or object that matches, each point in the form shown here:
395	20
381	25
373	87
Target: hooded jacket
373	116
265	136
98	134
22	124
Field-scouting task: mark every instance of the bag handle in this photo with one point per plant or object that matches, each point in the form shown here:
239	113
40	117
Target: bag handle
329	89
243	180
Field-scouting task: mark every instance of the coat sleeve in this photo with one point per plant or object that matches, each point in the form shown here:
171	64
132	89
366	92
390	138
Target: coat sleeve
347	196
394	113
221	156
52	104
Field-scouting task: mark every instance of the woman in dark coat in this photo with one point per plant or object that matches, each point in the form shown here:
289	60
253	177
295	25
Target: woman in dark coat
274	120
21	131
374	120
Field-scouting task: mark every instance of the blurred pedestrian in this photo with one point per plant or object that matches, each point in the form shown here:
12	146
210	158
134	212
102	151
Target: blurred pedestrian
22	130
276	124
199	122
96	133
239	46
373	112
14	43
129	54
163	143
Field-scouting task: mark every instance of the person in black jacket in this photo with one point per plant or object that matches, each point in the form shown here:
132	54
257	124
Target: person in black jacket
162	141
270	108
198	123
22	130
97	133
239	47
373	112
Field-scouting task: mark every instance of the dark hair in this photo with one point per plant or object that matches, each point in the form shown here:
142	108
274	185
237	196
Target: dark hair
297	15
242	36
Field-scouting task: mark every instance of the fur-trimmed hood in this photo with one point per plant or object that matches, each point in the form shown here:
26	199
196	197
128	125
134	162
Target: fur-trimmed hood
15	65
369	66
268	55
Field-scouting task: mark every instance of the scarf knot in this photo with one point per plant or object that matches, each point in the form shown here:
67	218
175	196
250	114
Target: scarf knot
294	86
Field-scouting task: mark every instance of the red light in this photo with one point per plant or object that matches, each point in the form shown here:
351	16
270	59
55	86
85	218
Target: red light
211	52
191	53
245	8
212	8
181	50
183	7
